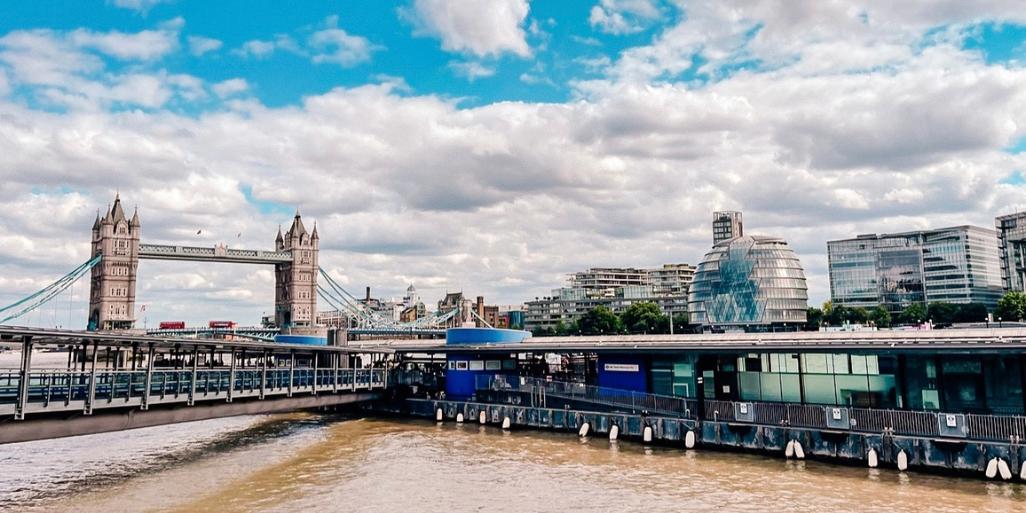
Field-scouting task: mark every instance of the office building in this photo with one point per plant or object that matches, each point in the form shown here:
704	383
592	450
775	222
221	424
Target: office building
727	225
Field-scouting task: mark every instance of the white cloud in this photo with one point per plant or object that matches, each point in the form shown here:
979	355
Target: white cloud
472	70
200	45
334	45
623	16
145	45
230	87
142	6
479	28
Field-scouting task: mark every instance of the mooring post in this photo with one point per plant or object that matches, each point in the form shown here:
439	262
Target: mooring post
23	377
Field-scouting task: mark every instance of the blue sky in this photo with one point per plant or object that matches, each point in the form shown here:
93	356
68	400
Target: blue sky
561	40
496	146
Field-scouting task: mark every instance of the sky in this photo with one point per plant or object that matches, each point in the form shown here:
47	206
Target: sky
493	146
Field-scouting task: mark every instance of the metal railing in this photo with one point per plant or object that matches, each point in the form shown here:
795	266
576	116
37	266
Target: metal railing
625	399
56	390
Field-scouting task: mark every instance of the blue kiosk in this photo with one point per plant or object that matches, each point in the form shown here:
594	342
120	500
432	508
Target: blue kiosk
464	369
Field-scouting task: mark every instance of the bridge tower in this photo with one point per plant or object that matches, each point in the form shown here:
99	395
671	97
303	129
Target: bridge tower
295	296
112	282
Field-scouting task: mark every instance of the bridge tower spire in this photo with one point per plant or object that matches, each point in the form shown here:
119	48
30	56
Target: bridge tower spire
295	297
112	282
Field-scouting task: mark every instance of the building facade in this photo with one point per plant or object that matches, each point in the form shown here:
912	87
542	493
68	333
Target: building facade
616	288
953	265
727	225
296	282
751	283
1011	233
113	279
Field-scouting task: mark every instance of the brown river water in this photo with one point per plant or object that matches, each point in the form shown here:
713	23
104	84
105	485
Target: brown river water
307	462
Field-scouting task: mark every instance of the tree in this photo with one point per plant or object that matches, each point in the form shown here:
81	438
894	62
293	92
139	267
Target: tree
645	317
814	318
599	320
914	313
971	312
942	313
880	317
1011	306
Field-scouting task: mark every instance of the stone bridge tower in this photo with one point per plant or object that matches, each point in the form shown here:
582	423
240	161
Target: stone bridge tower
295	295
112	282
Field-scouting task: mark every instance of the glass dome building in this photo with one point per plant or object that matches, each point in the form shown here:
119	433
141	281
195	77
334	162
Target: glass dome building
752	283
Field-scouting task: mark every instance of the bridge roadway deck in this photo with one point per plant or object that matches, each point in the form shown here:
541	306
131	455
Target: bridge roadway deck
236	378
975	340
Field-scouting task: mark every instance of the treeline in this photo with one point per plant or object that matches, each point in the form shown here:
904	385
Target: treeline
639	318
1011	307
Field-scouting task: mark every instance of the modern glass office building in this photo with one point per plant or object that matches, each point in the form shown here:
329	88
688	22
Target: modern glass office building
1011	231
752	283
952	265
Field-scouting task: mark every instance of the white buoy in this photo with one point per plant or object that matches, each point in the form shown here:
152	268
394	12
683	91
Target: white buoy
991	471
584	429
689	442
481	417
1022	473
874	461
646	435
438	415
506	423
799	452
789	450
459	418
1003	470
614	432
902	460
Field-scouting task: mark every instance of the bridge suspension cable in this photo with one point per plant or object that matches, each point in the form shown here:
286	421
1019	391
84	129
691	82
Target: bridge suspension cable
341	300
44	295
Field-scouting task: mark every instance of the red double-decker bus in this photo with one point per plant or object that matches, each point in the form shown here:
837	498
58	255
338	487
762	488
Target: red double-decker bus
172	325
222	324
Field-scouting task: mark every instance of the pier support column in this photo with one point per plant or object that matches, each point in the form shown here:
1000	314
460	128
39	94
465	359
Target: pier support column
231	377
292	370
24	376
263	375
192	382
149	378
92	380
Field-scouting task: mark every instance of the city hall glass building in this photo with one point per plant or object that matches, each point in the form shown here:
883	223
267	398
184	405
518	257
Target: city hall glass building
951	265
752	283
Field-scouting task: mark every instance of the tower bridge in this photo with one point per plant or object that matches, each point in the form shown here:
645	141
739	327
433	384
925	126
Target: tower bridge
116	241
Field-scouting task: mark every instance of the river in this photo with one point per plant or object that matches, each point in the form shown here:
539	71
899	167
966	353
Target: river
308	462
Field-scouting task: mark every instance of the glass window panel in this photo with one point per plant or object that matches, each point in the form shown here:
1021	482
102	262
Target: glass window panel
819	389
840	363
790	388
751	389
853	390
883	391
858	364
816	363
771	387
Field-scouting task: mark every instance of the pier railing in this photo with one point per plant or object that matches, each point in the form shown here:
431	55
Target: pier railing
613	397
1004	428
63	390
